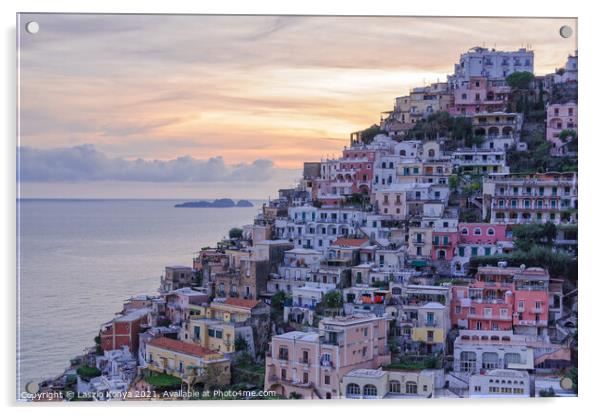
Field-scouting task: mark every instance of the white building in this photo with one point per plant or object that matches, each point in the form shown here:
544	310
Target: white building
499	383
491	63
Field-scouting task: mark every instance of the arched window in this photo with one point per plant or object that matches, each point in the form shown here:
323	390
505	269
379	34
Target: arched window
464	231
402	153
411	388
477	231
394	386
511	358
353	389
468	361
369	390
493	131
431	153
490	231
490	360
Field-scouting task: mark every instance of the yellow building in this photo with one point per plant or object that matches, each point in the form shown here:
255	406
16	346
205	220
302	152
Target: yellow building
189	362
217	325
431	326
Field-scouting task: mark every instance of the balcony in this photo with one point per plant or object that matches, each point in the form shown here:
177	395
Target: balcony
494	284
305	362
537	323
430	323
441	243
489	317
417	241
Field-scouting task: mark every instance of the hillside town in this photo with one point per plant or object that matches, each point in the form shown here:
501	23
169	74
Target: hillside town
436	257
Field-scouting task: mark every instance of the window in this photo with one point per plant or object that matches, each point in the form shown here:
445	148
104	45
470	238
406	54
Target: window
394	386
370	390
411	388
283	374
326	379
511	358
490	360
477	231
468	361
490	231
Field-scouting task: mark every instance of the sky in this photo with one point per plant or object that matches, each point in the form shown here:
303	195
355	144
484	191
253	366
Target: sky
225	106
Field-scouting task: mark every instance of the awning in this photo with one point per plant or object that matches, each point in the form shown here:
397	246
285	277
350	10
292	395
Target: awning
419	263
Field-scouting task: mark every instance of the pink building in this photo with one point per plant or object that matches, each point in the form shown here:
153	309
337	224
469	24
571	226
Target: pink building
351	173
560	117
479	239
312	364
444	244
503	298
480	95
359	164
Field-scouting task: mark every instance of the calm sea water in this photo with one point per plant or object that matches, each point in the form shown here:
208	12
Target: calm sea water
79	259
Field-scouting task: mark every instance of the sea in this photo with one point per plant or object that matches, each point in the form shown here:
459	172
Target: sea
78	260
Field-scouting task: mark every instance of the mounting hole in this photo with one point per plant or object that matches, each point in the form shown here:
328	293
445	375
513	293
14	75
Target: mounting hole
566	31
32	27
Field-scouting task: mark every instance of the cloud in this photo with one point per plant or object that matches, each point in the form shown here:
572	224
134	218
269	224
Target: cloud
240	87
86	163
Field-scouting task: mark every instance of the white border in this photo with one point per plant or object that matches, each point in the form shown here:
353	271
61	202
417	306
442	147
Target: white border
589	32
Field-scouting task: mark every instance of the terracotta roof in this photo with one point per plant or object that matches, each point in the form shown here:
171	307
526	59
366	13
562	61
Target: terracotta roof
181	347
350	242
241	302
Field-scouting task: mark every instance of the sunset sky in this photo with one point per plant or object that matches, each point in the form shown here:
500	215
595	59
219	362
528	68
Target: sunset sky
208	106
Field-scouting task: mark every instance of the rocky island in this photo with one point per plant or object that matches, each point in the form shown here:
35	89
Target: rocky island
217	203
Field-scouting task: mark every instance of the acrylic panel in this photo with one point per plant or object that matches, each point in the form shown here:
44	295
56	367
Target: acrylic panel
296	207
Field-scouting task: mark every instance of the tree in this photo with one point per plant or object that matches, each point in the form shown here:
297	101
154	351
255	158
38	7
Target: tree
241	344
369	133
520	80
211	377
333	299
88	372
278	300
528	235
453	182
235	233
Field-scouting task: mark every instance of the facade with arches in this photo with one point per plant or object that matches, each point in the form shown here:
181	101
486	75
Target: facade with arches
393	384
